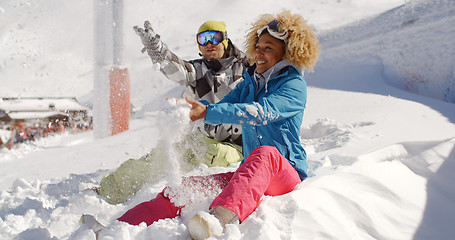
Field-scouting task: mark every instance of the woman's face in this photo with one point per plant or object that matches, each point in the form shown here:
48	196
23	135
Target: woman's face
269	51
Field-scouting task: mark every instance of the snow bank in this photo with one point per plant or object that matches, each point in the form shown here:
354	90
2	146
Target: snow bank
414	42
379	195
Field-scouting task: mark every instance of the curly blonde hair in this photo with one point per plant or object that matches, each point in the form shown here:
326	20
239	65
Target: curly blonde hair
302	48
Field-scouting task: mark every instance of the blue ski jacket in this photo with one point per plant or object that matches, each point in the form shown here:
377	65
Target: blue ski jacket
270	116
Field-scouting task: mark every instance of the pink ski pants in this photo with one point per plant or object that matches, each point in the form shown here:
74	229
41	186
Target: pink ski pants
264	172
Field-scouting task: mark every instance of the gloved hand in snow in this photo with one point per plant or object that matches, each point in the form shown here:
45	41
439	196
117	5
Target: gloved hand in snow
151	41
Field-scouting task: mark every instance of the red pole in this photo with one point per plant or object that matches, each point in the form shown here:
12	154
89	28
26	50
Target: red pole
119	99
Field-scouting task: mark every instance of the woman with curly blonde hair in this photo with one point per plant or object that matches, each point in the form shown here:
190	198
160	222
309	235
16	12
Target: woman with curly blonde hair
302	47
269	104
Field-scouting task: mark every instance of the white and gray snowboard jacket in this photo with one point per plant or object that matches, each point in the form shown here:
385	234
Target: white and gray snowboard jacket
208	80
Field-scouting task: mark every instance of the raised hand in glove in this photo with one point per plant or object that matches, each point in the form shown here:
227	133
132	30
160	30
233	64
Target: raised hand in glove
150	39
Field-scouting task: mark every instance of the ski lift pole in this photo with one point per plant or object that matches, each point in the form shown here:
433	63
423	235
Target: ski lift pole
102	56
119	80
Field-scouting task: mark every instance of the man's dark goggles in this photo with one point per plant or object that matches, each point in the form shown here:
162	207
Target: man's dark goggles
215	37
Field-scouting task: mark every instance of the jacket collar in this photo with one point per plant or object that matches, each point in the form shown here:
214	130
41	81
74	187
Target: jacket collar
251	71
272	72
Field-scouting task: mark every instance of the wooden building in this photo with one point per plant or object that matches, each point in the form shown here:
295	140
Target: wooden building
42	110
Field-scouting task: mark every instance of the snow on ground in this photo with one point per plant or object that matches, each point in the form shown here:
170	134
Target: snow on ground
381	158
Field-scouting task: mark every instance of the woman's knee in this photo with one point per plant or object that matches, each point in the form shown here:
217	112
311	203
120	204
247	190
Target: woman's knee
267	149
262	153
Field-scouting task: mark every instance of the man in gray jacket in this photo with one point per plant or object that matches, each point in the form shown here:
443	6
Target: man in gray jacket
208	79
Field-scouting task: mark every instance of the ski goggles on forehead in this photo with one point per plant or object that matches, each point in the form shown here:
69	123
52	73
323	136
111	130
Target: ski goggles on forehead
276	29
215	37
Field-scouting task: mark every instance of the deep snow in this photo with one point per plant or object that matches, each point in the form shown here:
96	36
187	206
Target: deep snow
381	158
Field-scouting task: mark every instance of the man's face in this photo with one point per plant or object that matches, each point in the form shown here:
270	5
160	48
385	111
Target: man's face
269	51
212	51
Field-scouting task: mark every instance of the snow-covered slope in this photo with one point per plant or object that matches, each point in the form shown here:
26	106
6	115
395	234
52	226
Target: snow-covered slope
381	158
412	42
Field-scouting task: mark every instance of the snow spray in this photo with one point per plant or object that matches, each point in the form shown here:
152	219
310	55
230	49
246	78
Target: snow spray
175	129
174	125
